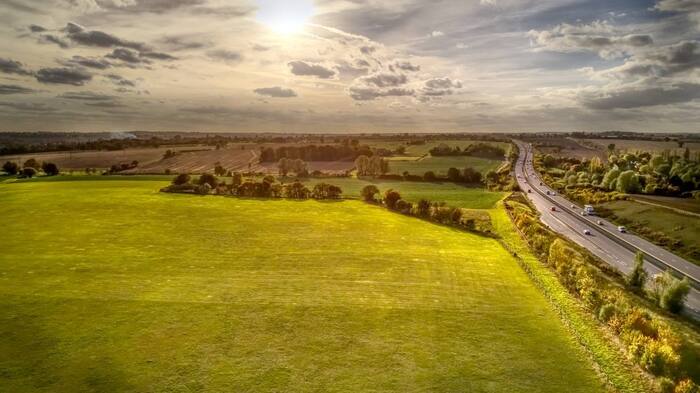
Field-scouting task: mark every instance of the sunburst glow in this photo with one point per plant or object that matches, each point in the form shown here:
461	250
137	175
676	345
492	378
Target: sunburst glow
285	16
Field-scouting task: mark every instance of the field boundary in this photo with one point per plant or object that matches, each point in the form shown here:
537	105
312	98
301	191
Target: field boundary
614	368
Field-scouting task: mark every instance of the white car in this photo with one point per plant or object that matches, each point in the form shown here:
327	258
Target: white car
622	229
600	222
573	206
586	232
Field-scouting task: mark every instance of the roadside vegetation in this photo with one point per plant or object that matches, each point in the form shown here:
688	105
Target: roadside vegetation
646	338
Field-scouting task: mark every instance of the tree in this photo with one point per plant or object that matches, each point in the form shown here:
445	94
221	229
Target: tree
283	166
669	292
611	148
453	174
28	172
390	198
686	154
208	178
368	192
610	177
362	165
11	168
326	191
181	179
32	163
219	170
423	208
596	165
429	176
471	176
627	182
50	169
638	276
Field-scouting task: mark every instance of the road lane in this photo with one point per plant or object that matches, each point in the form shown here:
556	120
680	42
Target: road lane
605	242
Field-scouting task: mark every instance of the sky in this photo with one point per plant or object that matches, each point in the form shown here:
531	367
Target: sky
350	65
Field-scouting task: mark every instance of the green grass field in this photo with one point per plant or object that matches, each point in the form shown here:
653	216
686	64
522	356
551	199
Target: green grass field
112	286
675	225
452	194
440	165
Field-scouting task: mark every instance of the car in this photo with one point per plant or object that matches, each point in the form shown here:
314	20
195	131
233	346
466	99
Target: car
540	183
573	206
548	193
554	193
599	222
622	229
529	191
583	213
554	208
586	232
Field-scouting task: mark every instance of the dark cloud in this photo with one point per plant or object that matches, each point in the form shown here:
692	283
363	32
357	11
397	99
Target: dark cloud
302	68
277	92
36	28
89	62
86	96
158	56
125	55
642	97
80	35
52	39
438	87
225	55
15	89
260	48
120	81
367	49
105	104
182	43
9	66
66	76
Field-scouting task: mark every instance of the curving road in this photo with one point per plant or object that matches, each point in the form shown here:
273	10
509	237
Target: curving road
615	248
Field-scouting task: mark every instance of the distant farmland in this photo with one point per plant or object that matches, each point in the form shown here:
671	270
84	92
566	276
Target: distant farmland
124	289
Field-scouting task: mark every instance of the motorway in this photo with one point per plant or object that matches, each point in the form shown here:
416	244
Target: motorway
604	241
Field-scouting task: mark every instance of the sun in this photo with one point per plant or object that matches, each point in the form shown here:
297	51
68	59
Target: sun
285	16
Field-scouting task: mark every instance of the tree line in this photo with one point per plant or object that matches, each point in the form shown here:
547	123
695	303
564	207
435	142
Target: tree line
268	187
341	152
484	150
30	168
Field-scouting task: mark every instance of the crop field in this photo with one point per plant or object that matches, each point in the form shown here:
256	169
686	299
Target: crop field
687	205
111	286
452	194
440	165
100	159
674	225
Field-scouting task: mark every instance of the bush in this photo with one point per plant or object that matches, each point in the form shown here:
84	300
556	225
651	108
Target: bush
686	386
182	178
429	176
638	276
607	311
665	385
674	296
326	191
368	192
390	199
50	169
11	168
209	179
32	163
28	172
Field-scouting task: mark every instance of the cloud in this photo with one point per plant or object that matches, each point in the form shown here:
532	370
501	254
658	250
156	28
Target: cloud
150	6
277	92
15	89
678	5
125	55
158	56
52	39
9	66
228	56
80	35
119	80
598	37
66	76
302	68
368	93
437	33
663	62
627	98
28	106
36	28
405	66
384	79
86	96
89	62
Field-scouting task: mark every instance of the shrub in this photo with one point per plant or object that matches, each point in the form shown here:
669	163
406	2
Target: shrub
423	208
368	192
326	191
686	386
32	163
665	385
638	276
390	199
28	172
203	189
209	179
11	168
674	296
606	312
429	176
182	178
49	168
